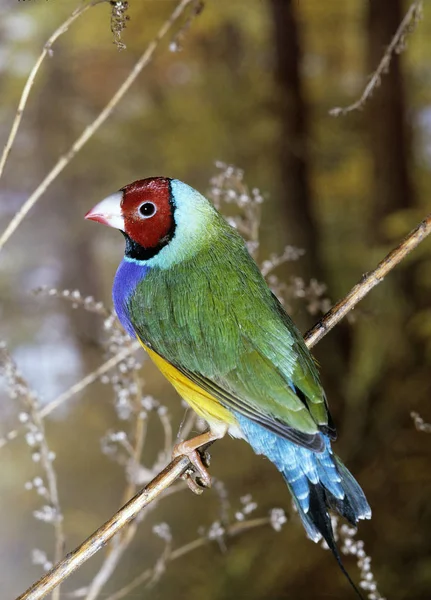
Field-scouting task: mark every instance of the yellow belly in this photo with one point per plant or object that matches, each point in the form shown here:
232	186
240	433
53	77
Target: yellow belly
200	400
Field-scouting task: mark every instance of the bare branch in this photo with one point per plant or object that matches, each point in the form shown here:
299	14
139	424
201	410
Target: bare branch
31	78
121	542
180	464
94	126
354	547
231	531
368	281
408	24
75	298
106	532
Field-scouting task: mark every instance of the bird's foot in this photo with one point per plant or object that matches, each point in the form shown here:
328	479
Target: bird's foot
197	477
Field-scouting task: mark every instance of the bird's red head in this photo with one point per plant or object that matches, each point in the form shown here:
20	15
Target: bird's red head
147	210
143	211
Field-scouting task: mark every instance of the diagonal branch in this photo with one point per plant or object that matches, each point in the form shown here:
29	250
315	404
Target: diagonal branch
368	281
180	464
31	78
231	531
412	17
100	537
89	131
121	542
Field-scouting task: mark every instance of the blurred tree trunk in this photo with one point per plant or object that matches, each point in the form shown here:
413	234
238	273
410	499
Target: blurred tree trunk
400	379
390	143
302	229
390	140
391	150
301	221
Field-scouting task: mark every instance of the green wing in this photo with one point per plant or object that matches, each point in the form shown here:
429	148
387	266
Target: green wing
215	319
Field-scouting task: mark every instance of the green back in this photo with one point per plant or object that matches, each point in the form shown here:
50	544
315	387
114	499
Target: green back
214	318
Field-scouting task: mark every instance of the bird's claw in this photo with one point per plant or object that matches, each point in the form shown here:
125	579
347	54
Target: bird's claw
197	477
194	483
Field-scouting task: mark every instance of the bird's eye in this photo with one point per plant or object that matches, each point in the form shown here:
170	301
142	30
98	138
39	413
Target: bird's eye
147	209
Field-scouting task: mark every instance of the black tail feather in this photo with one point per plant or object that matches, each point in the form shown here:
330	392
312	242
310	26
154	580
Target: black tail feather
318	514
342	507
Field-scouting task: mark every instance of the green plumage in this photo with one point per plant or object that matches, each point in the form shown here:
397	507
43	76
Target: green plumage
189	290
215	319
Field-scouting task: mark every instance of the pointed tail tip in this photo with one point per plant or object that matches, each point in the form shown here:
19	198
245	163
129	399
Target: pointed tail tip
337	556
319	516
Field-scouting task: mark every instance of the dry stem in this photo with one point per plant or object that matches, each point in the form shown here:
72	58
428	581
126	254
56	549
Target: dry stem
121	542
179	465
105	533
147	575
94	126
411	18
31	78
31	404
368	281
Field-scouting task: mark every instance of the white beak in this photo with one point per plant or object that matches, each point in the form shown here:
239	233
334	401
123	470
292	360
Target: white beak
108	212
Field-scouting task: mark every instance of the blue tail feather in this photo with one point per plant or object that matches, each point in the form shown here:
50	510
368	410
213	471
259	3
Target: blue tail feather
318	481
302	468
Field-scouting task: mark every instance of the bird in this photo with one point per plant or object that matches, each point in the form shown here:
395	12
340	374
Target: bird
189	291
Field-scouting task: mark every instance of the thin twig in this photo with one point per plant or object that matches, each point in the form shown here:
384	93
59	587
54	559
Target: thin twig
77	387
110	563
76	299
106	532
167	429
20	388
368	281
138	438
231	531
94	126
31	78
121	542
179	465
118	545
413	15
186	426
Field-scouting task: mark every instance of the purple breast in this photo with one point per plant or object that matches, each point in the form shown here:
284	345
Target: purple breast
128	275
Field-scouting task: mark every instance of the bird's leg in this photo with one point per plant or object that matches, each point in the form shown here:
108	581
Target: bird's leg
190	448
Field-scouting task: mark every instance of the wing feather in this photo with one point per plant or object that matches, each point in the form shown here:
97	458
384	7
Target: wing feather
221	327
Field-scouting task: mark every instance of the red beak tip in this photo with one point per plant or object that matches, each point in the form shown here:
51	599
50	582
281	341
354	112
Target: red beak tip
91	216
97	218
107	212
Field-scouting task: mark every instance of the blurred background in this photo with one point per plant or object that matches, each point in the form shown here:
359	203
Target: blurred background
249	83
